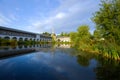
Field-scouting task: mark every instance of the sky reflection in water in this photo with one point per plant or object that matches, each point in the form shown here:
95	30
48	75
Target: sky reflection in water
48	64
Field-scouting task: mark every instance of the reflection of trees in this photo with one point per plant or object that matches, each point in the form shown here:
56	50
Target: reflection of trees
83	58
108	70
83	61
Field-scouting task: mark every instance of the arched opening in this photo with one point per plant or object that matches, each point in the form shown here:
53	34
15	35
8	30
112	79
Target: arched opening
20	39
13	41
26	39
33	39
20	46
7	38
14	38
30	39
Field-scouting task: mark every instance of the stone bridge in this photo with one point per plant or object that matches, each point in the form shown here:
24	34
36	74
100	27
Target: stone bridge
9	33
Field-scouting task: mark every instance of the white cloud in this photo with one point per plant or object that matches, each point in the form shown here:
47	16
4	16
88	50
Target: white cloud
1	20
60	15
4	20
7	20
17	9
13	17
64	16
68	16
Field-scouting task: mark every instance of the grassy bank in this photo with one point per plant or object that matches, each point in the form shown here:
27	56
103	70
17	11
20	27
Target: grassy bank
102	48
84	41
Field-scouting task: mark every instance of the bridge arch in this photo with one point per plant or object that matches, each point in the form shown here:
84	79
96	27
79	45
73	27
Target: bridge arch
37	39
26	39
14	38
20	39
30	39
7	38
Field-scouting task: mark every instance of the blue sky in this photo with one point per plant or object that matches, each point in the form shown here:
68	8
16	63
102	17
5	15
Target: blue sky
42	15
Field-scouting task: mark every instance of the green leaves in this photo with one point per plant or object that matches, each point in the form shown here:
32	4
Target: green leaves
107	19
82	36
64	34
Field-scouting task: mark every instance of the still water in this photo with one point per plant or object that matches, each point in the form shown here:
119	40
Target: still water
60	62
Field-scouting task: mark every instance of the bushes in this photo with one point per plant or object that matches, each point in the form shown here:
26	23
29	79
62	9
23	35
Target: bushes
107	49
82	41
4	42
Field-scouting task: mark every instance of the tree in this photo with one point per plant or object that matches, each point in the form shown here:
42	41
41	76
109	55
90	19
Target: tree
107	20
97	34
73	36
64	34
83	34
46	33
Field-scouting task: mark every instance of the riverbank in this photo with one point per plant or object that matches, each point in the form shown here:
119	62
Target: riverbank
109	51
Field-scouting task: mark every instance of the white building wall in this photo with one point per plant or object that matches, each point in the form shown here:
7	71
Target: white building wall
64	39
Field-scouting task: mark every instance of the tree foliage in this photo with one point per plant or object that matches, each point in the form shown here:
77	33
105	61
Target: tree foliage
97	34
83	33
46	33
107	20
73	36
82	36
64	34
106	37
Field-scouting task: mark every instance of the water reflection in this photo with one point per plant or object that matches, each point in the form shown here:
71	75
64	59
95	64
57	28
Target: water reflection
108	70
63	46
21	49
82	60
50	62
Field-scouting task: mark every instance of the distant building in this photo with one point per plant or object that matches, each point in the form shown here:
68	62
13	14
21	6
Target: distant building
63	46
20	35
63	39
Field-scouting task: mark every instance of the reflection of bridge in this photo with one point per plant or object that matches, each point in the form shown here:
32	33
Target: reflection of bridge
9	51
6	51
9	33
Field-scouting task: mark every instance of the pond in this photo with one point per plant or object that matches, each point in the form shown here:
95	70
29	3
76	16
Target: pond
59	62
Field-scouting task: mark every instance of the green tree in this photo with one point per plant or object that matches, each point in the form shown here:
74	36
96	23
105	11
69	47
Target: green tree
46	33
73	36
97	34
81	38
64	34
107	20
83	34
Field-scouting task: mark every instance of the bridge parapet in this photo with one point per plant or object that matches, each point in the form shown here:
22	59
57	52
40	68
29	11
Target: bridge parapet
23	35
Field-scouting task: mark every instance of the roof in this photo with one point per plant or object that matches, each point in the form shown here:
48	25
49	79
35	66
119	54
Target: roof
21	31
16	30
